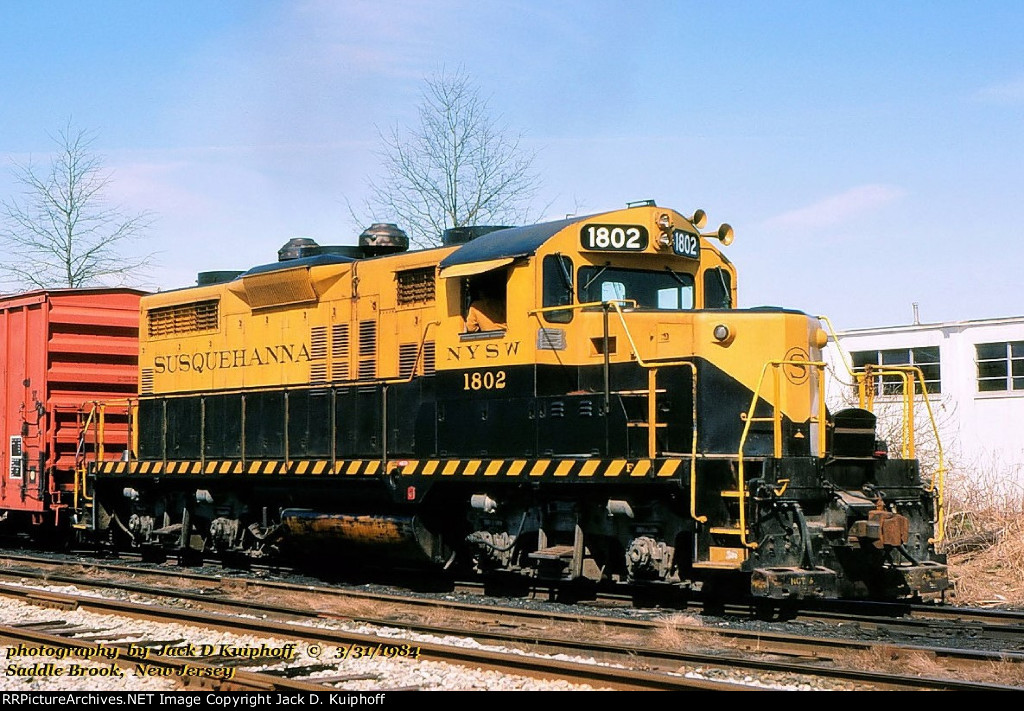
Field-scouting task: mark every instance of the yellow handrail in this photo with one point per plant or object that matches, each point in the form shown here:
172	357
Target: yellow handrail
693	441
907	373
866	400
937	484
835	339
420	358
776	420
96	417
652	374
80	466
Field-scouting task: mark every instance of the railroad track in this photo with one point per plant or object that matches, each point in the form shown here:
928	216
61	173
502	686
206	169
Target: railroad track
997	634
72	658
621	641
219	666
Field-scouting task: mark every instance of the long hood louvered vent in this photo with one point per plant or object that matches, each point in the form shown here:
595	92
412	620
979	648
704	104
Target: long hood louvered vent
264	287
183	318
411	362
318	355
416	286
408	354
367	349
318	342
340	352
429	360
278	288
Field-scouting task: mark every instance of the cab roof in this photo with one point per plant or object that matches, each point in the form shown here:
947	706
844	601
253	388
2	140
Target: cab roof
507	244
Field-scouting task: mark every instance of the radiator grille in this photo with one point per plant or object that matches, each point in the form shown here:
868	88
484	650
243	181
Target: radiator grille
184	318
416	286
278	288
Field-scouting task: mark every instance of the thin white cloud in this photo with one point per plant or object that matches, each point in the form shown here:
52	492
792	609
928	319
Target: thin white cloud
157	187
1008	92
836	209
371	38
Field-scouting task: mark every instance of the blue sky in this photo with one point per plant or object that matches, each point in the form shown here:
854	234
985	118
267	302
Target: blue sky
869	155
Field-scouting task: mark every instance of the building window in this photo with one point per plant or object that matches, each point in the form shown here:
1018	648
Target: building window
925	358
1000	366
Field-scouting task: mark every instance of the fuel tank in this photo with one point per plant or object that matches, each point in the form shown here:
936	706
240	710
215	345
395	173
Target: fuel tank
369	537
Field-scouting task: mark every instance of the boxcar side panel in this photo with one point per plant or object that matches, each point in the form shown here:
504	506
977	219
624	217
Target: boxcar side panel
63	350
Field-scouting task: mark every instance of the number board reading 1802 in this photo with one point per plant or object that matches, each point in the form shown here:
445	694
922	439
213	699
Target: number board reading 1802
686	244
616	238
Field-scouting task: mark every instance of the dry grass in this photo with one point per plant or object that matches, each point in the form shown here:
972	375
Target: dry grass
894	659
992	575
908	661
678	632
356	608
985	542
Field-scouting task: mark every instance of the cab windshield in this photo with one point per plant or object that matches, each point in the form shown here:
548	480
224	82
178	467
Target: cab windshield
665	289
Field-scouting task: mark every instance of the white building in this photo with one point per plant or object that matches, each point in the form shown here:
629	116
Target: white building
974	373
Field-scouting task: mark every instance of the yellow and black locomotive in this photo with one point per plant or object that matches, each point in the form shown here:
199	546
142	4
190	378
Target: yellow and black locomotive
572	400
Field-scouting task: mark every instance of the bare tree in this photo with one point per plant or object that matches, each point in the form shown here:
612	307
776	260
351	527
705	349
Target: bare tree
63	233
457	168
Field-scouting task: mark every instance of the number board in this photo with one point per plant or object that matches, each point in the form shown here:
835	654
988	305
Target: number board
686	244
614	238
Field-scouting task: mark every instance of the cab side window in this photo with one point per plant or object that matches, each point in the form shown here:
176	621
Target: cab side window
717	289
557	287
485	296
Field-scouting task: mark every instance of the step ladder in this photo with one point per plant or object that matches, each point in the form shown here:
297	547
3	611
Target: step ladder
644	413
733	553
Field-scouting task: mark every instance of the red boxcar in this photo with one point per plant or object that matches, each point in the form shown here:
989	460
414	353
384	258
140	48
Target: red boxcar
62	352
